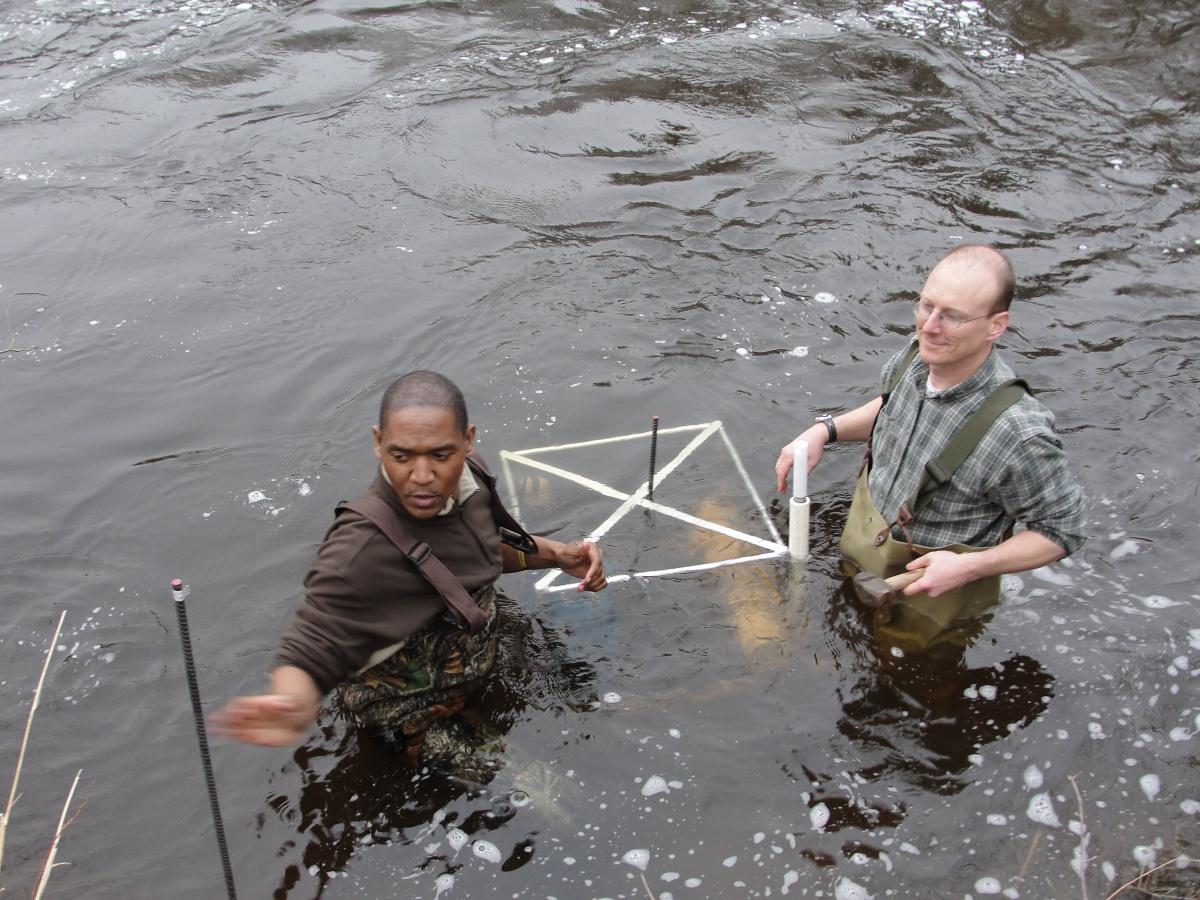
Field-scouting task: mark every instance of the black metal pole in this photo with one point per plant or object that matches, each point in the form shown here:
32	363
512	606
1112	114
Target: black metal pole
653	453
178	593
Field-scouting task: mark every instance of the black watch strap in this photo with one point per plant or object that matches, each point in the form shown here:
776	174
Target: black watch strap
827	420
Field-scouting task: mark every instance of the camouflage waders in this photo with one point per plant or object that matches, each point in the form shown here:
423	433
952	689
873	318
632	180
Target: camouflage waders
413	698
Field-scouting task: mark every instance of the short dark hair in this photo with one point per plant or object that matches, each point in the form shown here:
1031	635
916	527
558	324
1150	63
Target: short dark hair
987	255
424	388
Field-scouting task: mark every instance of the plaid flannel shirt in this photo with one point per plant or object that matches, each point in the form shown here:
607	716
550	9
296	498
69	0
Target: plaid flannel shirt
1017	473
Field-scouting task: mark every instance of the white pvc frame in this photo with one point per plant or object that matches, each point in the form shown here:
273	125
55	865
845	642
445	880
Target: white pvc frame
774	547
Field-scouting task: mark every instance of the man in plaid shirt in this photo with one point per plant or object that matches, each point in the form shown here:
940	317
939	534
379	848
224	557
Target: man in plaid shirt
1016	473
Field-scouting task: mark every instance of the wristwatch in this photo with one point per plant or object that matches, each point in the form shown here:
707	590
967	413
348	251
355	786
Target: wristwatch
827	420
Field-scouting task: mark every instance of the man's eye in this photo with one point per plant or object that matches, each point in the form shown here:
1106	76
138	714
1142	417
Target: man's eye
441	457
400	457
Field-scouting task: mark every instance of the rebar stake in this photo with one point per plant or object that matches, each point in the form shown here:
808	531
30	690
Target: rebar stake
178	593
653	454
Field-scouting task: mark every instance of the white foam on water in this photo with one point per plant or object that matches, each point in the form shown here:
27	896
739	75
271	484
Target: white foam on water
487	851
611	697
1109	870
850	890
692	882
1146	855
997	819
906	847
457	838
1179	733
988	692
729	862
1041	810
639	858
1052	576
655	784
1125	548
988	885
790	877
1191	807
255	497
443	884
1194	638
819	816
674	732
1157	601
1033	778
669	876
1151	784
824	297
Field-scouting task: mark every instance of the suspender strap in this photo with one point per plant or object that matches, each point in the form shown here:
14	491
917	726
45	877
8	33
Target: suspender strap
900	370
431	568
905	362
941	468
511	531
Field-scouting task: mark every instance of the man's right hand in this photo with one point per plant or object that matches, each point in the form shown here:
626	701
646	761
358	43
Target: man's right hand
269	720
278	719
817	437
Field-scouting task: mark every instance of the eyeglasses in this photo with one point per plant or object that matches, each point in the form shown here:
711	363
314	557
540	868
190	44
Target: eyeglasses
949	318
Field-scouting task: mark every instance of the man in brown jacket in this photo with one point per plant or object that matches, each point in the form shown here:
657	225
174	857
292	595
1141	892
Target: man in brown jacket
403	656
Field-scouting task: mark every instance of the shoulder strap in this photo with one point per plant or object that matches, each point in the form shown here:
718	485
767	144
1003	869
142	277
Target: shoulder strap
511	531
941	468
420	555
901	368
905	362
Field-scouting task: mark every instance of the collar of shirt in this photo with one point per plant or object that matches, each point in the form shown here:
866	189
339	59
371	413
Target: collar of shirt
988	372
467	485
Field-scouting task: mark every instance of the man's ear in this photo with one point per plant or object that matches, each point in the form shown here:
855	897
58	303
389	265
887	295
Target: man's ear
470	435
378	435
998	325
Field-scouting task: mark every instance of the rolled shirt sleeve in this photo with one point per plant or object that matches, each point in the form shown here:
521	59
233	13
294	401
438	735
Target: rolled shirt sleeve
1038	490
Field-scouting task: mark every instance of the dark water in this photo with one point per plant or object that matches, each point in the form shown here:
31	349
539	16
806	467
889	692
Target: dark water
226	225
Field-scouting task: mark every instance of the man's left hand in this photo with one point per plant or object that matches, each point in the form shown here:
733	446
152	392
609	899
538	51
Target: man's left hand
582	560
941	571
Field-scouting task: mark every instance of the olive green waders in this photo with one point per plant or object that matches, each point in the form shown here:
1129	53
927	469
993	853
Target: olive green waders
948	623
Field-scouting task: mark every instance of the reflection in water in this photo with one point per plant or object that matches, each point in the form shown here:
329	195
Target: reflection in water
923	716
358	791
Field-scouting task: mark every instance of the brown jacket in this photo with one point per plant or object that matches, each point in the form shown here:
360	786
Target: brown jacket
362	594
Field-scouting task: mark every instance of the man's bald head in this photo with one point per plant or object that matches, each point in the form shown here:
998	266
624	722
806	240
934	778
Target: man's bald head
985	261
423	388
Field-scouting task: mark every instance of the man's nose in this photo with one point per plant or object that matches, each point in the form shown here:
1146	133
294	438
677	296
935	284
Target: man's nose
422	471
933	322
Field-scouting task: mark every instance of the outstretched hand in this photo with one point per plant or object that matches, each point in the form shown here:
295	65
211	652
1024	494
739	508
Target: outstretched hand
583	560
269	720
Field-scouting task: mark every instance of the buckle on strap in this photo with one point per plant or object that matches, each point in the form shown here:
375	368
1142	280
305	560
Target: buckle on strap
937	472
419	553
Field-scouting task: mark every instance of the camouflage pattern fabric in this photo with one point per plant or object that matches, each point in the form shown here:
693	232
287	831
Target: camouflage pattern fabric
407	698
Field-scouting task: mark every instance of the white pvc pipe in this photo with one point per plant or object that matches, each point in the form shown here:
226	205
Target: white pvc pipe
798	527
799	470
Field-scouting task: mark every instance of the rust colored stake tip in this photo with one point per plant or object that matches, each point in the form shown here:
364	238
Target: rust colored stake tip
177	584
